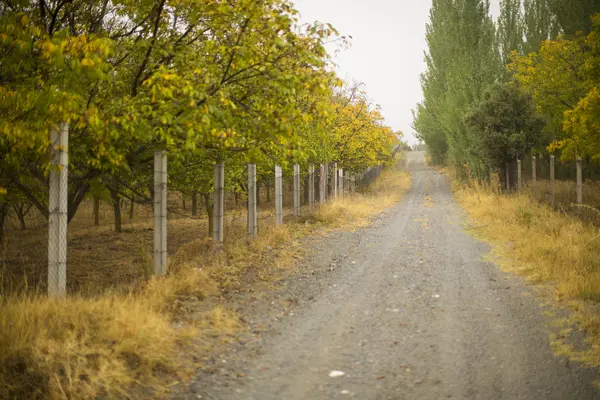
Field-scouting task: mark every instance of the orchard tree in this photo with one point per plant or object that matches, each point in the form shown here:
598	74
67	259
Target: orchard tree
360	138
132	78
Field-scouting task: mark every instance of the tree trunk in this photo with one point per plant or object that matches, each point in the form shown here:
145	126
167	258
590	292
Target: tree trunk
194	205
182	202
116	200
21	216
96	211
21	211
209	212
3	214
131	209
268	187
236	196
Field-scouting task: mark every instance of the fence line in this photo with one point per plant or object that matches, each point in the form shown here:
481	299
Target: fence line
566	185
342	182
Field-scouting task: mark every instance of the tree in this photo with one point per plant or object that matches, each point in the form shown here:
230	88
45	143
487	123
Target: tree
132	78
574	16
506	122
360	140
555	78
582	122
539	24
510	29
462	60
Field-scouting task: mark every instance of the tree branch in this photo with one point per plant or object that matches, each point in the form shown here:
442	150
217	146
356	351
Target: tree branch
136	80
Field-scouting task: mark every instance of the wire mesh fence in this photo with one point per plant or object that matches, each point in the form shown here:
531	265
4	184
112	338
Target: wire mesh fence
111	240
562	184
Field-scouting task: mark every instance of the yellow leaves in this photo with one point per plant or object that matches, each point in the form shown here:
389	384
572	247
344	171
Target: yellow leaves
87	62
168	76
47	48
556	145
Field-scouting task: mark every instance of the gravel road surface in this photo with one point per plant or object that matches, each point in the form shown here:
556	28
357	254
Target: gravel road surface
404	309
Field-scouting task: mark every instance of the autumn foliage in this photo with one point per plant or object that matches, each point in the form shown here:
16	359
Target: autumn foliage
239	82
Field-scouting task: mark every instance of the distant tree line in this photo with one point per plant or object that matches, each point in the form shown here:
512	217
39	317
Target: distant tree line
496	90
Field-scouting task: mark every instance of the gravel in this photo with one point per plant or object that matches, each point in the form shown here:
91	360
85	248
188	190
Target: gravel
404	309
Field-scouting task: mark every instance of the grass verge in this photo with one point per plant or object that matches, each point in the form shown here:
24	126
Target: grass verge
545	246
136	344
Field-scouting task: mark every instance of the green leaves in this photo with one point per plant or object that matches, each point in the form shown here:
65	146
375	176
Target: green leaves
235	81
462	61
506	124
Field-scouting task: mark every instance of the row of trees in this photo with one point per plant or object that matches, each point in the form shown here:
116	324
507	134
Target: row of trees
240	81
496	90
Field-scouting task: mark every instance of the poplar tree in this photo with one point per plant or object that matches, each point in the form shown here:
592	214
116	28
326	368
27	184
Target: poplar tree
462	60
510	29
574	15
539	24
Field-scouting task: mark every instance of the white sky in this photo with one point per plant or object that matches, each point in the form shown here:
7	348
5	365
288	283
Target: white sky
386	51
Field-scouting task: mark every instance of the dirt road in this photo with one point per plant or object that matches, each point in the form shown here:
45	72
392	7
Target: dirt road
406	309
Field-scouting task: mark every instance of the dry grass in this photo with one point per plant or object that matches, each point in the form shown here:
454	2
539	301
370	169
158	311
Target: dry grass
355	210
566	195
546	246
90	347
135	339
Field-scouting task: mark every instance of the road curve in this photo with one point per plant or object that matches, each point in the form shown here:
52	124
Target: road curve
411	312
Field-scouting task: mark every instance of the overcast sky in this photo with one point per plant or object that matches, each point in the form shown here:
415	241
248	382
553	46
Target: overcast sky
386	51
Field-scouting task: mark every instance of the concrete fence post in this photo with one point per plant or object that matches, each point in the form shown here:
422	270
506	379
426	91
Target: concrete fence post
519	179
219	203
296	190
311	186
552	183
322	185
335	181
278	196
341	182
508	177
160	213
252	201
579	181
57	208
533	171
326	184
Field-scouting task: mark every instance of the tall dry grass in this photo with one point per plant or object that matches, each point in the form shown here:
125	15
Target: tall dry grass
135	343
546	246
